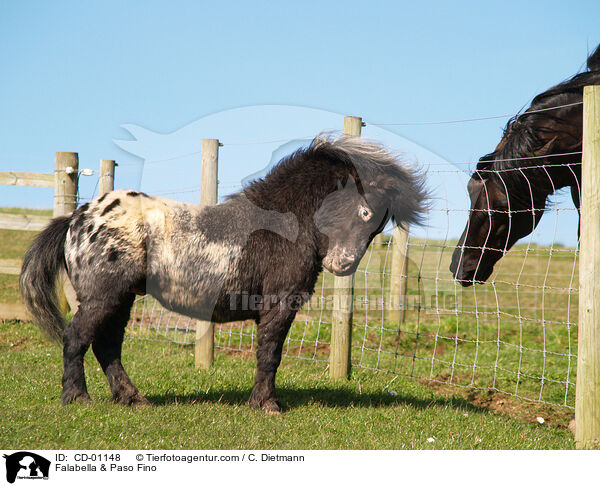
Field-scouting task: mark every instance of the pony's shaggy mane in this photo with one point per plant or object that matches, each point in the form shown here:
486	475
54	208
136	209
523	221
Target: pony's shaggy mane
329	161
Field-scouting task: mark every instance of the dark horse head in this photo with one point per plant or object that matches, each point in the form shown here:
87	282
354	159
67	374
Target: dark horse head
540	152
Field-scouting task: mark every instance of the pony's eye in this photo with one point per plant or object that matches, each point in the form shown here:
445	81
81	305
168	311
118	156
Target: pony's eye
364	213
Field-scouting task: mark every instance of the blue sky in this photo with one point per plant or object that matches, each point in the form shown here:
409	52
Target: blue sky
73	73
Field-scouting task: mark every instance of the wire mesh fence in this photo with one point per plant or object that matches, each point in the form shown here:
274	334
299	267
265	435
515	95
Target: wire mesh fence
515	334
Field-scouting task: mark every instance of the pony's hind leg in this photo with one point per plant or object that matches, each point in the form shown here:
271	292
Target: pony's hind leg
107	348
77	337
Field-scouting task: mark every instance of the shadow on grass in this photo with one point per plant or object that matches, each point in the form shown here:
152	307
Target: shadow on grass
327	397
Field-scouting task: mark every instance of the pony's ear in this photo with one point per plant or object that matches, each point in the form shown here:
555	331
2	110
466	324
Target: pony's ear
349	184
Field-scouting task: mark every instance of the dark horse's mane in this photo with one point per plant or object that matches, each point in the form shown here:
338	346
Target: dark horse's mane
540	152
524	133
329	163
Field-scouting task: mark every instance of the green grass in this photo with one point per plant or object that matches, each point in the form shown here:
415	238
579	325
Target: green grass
207	409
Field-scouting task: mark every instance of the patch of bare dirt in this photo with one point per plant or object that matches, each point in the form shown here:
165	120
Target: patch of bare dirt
502	403
321	350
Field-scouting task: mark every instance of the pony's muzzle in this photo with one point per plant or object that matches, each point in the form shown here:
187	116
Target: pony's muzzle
342	263
345	267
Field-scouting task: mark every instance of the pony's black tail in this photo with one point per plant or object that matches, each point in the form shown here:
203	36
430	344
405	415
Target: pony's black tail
41	267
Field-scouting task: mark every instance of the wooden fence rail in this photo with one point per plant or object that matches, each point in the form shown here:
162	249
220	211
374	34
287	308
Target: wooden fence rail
23	222
10	266
30	179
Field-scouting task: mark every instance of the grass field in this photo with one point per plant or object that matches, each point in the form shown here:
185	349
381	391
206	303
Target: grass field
207	409
515	336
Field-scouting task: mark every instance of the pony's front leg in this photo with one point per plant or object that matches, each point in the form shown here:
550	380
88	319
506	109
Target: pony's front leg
272	330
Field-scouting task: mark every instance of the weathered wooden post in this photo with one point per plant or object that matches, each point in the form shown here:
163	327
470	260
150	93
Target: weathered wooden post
399	276
343	300
380	253
106	182
66	180
587	395
205	330
66	176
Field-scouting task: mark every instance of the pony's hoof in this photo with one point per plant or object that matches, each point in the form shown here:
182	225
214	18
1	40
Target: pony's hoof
136	400
82	398
272	407
140	401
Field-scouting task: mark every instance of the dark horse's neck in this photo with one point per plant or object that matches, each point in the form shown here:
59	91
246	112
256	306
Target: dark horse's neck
532	159
539	154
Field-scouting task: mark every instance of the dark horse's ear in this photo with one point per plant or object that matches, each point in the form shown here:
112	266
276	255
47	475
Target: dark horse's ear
593	61
474	186
547	148
484	166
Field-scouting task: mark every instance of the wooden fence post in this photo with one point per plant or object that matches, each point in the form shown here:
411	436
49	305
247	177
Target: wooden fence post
205	330
399	276
343	300
379	254
106	182
587	395
66	170
66	180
